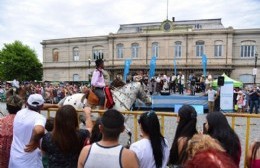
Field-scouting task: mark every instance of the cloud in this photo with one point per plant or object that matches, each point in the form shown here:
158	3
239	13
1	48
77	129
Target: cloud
32	21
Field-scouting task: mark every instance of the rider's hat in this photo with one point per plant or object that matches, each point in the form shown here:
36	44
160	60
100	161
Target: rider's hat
99	62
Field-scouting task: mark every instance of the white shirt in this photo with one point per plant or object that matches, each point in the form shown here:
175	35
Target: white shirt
24	123
211	95
101	156
144	153
181	79
173	78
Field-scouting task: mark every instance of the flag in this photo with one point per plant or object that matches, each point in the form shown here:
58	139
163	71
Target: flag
204	64
152	67
127	67
175	66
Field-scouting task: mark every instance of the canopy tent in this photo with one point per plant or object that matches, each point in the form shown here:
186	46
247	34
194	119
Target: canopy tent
228	79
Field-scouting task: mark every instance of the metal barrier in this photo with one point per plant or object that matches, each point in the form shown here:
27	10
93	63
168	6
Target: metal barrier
162	116
248	121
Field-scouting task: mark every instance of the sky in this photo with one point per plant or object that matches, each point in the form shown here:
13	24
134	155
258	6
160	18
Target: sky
32	21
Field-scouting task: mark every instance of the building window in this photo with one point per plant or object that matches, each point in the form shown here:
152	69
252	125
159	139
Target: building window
135	48
55	55
155	49
98	52
197	26
75	77
120	50
177	49
75	54
218	48
199	48
247	49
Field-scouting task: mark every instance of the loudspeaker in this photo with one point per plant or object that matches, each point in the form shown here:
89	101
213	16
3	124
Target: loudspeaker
221	81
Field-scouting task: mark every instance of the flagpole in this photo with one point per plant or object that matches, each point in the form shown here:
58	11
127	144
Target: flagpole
167	9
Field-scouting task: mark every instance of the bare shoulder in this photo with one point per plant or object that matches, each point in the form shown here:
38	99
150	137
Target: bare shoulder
182	140
83	155
86	149
181	143
129	159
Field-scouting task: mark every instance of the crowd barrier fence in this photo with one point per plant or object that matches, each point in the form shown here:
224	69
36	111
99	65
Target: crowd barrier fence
162	115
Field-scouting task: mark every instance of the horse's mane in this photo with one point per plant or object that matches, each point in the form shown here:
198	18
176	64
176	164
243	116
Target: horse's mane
117	83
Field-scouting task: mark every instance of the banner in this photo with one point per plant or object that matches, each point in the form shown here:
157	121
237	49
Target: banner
204	64
152	67
226	97
175	67
127	67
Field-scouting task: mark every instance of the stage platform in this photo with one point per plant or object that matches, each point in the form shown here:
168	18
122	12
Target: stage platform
169	102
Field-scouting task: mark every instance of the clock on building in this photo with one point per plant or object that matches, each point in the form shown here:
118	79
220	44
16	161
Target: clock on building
167	26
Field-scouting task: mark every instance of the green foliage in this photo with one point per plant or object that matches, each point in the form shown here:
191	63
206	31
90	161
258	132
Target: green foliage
20	62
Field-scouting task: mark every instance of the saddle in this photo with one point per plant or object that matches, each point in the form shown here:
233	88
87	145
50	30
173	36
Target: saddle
94	100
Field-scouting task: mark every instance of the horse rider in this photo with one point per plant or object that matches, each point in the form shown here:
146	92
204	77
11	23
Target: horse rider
98	82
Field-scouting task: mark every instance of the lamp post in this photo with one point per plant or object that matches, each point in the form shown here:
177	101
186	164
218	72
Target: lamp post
256	55
89	62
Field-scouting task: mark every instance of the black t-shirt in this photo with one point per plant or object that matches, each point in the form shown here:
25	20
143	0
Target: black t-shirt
254	95
56	158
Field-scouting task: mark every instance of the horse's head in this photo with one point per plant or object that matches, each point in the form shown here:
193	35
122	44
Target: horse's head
144	96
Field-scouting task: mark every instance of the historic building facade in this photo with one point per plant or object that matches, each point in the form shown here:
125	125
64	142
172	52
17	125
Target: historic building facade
228	50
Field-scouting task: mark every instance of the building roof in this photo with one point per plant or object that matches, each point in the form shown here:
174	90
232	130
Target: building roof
196	24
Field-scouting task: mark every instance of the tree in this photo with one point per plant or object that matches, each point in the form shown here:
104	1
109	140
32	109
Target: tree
20	62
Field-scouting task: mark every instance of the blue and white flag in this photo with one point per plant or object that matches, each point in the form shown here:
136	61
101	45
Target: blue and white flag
152	67
175	66
204	64
127	67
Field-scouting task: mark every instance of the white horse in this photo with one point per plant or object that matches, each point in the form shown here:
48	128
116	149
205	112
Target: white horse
124	97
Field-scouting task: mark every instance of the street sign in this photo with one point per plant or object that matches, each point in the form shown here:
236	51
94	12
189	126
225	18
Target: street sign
254	71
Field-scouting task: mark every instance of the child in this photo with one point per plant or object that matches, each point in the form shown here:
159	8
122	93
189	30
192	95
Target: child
240	101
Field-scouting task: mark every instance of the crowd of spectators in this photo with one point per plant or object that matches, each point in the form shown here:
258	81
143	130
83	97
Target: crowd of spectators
60	143
52	92
28	139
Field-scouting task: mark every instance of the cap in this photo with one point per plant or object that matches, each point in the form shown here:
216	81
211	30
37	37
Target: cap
35	100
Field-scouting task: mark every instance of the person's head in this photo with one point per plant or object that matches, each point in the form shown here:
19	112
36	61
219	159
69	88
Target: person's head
216	122
210	88
187	120
14	103
218	127
255	150
49	124
112	124
150	127
35	102
99	63
95	133
201	142
65	127
210	158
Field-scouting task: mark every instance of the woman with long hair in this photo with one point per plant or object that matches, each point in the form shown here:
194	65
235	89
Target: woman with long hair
64	143
187	120
217	127
253	155
152	150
